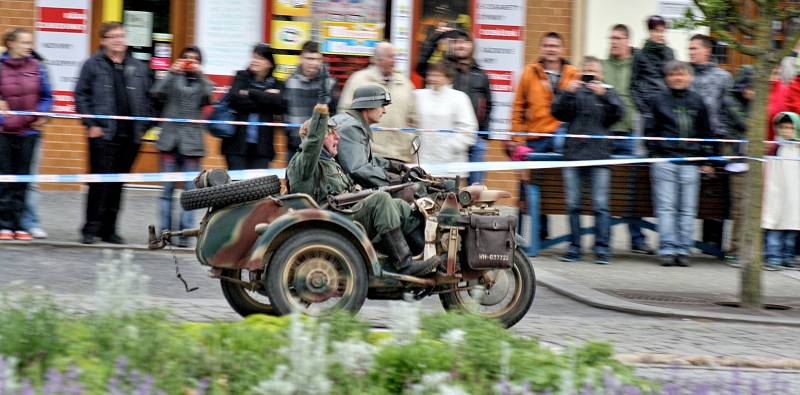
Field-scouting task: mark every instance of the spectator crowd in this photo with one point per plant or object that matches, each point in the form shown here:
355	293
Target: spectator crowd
634	92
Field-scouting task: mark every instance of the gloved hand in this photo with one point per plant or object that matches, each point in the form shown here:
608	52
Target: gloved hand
520	152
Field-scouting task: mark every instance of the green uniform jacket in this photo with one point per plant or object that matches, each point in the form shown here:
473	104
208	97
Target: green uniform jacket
313	170
355	151
618	73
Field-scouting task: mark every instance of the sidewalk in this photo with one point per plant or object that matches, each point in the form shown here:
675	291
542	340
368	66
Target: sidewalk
632	283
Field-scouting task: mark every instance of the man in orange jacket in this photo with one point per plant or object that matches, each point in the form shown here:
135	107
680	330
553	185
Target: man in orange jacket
538	85
531	111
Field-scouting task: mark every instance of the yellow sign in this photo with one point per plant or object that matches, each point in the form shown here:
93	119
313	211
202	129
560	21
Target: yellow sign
290	35
291	7
352	30
285	66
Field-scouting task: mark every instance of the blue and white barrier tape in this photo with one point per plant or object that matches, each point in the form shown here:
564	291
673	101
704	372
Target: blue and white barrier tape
432	168
375	128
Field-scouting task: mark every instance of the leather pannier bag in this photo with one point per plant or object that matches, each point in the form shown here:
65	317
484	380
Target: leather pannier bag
489	242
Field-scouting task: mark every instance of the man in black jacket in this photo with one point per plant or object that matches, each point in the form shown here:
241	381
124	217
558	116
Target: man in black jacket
677	112
111	83
589	107
469	78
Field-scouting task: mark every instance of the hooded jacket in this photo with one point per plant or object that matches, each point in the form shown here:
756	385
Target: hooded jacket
617	72
781	189
588	113
678	113
531	110
94	93
24	87
647	75
256	101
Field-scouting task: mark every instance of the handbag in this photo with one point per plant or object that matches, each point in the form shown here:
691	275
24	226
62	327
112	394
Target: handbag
489	241
222	112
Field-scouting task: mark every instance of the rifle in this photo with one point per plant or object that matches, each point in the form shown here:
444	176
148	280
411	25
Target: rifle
350	198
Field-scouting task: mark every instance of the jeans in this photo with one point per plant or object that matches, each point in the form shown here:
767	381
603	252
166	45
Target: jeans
545	144
780	245
600	177
476	154
172	162
30	217
103	199
676	190
16	153
249	161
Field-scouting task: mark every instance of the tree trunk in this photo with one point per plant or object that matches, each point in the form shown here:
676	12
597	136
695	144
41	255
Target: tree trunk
751	254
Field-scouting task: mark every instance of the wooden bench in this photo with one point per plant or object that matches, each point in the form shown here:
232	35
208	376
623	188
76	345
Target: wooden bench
630	197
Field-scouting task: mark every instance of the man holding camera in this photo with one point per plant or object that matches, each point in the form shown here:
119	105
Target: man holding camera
590	107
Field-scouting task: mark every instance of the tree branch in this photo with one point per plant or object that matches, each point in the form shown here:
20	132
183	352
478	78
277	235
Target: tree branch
720	27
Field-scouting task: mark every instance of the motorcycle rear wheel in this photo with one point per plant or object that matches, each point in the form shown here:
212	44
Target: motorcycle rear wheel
508	303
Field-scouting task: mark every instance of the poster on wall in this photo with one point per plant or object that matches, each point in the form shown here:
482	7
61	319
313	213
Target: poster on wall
285	66
500	51
230	29
350	38
290	34
139	28
291	7
63	38
402	24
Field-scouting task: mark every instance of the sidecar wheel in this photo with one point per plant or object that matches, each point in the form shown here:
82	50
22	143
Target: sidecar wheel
233	193
242	300
507	301
316	273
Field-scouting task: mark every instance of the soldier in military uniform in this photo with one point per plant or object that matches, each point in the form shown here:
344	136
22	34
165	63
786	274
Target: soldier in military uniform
315	170
357	159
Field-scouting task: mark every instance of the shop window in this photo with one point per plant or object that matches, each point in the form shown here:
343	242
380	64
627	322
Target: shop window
720	53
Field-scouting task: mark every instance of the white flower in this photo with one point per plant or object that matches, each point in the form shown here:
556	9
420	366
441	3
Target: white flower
355	356
405	322
454	337
121	284
436	383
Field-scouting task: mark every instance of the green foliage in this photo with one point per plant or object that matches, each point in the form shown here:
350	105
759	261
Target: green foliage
235	357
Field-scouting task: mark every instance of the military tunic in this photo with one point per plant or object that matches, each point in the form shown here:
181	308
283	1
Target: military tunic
315	172
355	151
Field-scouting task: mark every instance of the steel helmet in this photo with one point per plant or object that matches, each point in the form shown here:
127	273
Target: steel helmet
370	96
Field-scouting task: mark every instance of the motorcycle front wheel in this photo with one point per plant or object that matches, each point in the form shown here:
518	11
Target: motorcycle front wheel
507	300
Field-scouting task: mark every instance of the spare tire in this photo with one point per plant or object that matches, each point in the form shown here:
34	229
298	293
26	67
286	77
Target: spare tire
233	193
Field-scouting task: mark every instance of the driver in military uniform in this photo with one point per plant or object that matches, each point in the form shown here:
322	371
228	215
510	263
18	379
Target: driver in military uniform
315	170
357	159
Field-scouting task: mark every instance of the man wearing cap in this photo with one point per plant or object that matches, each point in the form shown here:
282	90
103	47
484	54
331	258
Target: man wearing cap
315	170
357	159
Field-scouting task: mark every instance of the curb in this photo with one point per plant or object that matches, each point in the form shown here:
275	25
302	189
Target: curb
707	361
591	297
97	246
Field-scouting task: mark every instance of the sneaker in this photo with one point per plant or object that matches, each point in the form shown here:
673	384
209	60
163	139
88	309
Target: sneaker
23	235
772	265
38	233
6	234
682	261
642	249
570	257
601	259
88	239
667	260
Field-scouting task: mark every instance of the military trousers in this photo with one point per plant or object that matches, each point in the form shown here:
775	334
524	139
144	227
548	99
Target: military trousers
380	213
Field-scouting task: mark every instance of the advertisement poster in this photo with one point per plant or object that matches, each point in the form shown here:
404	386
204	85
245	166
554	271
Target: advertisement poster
285	66
139	28
290	34
402	24
500	50
230	29
350	38
63	38
291	7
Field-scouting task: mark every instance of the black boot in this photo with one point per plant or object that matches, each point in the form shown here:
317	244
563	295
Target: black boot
395	246
416	240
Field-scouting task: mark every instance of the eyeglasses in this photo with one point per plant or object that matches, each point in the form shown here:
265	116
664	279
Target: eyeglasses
111	36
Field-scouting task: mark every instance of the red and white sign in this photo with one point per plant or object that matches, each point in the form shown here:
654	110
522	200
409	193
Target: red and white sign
500	50
63	40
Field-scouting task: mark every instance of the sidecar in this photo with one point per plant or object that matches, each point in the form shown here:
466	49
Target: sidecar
278	254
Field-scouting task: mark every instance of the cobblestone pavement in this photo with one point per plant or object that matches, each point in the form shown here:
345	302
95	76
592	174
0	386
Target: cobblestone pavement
69	273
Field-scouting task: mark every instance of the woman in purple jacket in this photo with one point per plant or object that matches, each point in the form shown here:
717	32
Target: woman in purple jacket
23	87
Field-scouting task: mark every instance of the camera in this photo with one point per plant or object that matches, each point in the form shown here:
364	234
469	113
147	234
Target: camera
587	78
